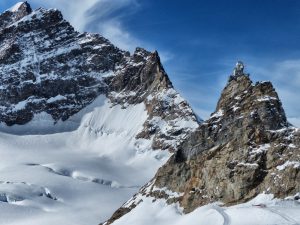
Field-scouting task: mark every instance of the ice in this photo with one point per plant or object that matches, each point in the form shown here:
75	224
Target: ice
89	165
43	123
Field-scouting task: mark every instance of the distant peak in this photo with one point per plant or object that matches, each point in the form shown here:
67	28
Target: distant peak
14	14
21	6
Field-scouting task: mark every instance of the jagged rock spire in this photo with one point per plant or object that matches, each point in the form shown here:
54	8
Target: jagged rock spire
21	6
245	148
21	10
244	140
15	13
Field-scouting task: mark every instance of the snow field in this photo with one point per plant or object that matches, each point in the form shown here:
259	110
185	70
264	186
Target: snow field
76	177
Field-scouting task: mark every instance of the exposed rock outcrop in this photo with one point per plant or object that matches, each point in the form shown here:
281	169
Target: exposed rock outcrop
14	14
245	148
47	66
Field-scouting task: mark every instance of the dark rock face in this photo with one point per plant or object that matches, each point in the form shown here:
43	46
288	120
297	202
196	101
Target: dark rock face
11	16
245	112
142	78
47	66
245	148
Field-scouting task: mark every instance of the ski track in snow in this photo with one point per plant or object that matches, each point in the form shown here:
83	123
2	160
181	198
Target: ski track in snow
221	211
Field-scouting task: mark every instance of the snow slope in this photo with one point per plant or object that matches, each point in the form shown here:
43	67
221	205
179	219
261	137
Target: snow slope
263	210
76	177
16	7
82	176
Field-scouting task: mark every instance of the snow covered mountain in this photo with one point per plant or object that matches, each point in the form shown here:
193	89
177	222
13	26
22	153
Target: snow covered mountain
83	124
50	71
245	151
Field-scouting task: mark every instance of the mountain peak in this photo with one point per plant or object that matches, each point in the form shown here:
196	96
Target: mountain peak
234	155
241	98
21	7
14	14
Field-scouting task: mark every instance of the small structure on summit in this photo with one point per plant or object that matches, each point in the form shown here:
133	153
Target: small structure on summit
238	71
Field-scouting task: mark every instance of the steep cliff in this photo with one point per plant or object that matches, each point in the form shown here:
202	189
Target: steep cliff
83	124
246	148
48	67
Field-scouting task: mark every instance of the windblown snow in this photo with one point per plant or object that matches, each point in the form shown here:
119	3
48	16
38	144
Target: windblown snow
76	177
16	7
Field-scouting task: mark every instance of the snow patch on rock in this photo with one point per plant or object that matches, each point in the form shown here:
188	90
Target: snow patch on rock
294	164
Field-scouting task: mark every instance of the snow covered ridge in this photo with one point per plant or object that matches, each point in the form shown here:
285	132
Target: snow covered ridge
262	210
15	13
100	164
60	72
162	209
83	118
16	7
100	122
244	149
49	63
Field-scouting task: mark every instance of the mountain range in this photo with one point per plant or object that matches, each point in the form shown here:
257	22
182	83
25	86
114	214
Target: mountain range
86	126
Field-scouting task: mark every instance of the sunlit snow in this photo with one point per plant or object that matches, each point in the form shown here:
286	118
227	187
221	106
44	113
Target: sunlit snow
263	210
76	177
16	7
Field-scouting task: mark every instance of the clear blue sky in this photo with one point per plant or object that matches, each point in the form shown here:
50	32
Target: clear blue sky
200	41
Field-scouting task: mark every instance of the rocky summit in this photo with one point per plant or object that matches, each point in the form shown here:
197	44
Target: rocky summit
245	148
48	67
129	125
89	123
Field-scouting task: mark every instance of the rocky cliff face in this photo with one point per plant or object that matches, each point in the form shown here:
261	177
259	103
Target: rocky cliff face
245	148
47	66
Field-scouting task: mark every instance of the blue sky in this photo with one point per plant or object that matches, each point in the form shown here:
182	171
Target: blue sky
200	41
